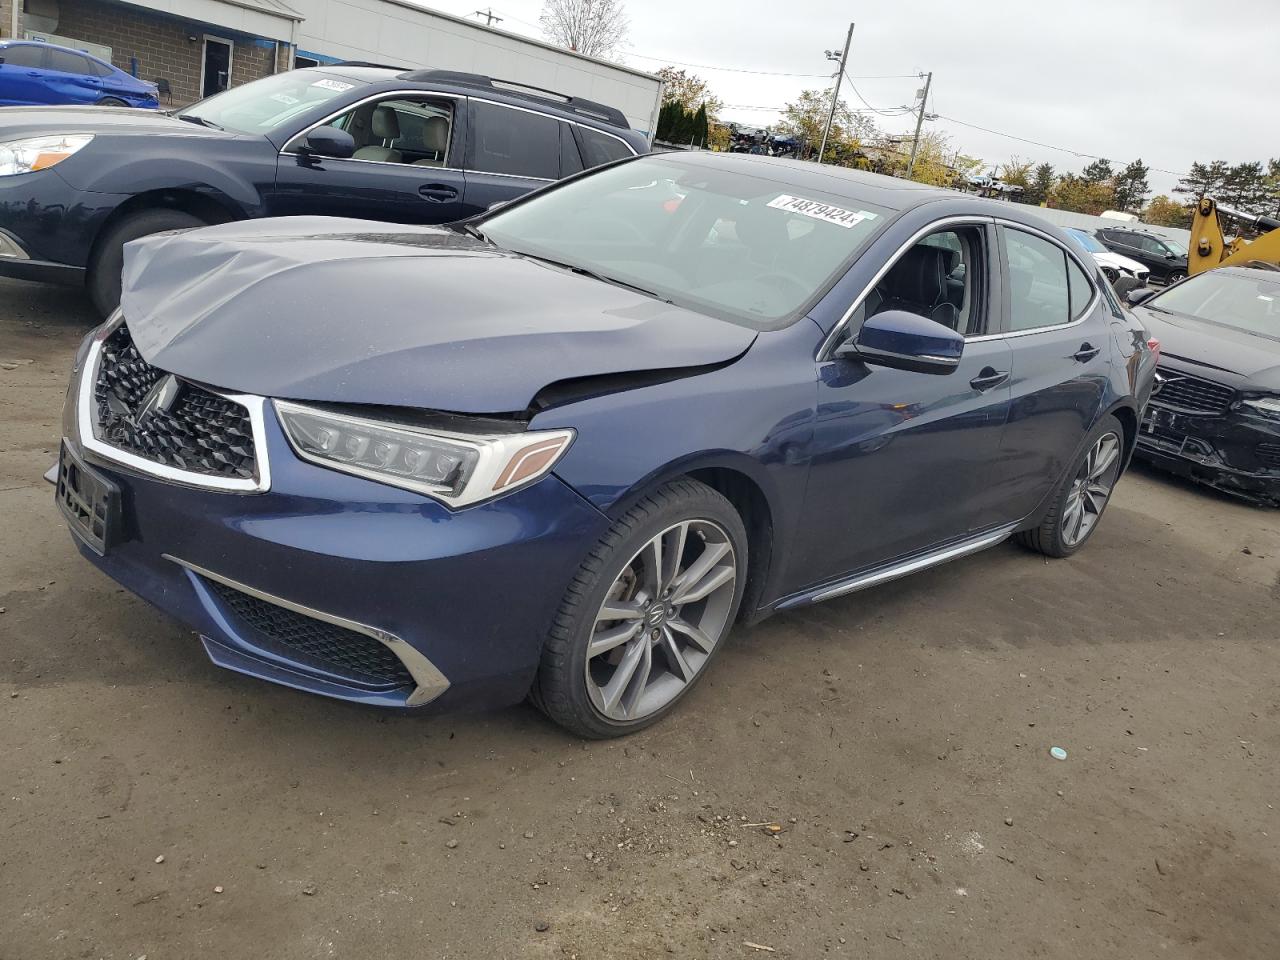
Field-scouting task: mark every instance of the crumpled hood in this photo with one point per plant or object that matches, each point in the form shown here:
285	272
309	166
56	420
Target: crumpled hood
1253	358
348	311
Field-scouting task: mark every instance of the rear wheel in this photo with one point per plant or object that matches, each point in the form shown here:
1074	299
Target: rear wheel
646	612
1081	500
103	279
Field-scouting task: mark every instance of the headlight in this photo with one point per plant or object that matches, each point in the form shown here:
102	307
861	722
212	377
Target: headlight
1263	406
455	468
39	153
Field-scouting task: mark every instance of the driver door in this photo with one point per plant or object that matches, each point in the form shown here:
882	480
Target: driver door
404	169
904	461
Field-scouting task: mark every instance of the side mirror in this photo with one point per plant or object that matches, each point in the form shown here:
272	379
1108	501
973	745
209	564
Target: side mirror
1170	255
906	341
1140	295
496	205
328	142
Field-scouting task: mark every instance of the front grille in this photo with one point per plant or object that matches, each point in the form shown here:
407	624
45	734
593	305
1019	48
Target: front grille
1183	392
1269	455
315	642
162	418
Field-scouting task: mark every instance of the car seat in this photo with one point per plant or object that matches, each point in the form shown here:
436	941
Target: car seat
386	127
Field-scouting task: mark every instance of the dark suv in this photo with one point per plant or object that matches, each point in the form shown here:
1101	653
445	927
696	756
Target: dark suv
379	143
1167	259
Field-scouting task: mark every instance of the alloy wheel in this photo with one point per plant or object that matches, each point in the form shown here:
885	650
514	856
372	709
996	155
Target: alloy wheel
1091	489
661	619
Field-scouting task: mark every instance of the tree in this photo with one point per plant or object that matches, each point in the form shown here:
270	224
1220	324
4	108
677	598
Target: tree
1041	184
1163	212
806	117
1204	179
1079	195
699	127
596	28
1246	188
689	90
1097	172
1131	187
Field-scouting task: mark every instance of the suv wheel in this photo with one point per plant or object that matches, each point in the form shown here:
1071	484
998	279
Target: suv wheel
103	278
1081	500
1175	277
645	614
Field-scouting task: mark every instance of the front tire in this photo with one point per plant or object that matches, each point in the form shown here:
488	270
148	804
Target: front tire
647	611
103	279
1174	278
1083	496
111	102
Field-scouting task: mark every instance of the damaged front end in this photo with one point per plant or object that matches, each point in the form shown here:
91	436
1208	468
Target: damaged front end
1213	434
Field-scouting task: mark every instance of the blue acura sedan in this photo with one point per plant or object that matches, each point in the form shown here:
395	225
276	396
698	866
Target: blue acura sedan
44	74
559	450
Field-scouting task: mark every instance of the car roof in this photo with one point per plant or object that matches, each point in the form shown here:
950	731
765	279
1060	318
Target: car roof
55	46
892	193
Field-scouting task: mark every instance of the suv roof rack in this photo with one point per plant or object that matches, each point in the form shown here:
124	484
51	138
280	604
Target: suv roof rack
586	108
363	63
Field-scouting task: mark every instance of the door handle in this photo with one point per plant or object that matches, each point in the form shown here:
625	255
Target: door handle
989	377
438	192
1086	352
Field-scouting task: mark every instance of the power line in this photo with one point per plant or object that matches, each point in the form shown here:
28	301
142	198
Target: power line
1047	146
889	112
763	73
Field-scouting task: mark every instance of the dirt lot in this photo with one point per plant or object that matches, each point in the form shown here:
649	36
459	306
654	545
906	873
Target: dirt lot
899	737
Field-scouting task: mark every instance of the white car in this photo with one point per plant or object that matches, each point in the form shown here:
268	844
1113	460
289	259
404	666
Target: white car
1111	263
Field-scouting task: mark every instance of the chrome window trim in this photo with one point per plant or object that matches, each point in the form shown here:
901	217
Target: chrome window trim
824	351
86	421
391	94
1084	315
384	95
429	681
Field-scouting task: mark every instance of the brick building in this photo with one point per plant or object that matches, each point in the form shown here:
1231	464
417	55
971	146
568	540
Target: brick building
197	47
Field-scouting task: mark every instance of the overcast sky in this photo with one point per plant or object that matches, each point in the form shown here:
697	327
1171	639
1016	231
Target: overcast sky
1164	80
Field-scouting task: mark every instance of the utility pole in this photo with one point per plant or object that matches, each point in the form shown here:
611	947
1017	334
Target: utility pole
835	97
915	146
490	15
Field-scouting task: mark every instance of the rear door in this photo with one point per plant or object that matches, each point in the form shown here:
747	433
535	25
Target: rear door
405	168
72	79
1057	325
22	75
510	151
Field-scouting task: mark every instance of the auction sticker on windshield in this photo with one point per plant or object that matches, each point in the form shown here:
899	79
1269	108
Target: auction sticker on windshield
337	85
820	211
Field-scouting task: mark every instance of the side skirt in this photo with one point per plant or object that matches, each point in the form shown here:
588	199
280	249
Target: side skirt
900	568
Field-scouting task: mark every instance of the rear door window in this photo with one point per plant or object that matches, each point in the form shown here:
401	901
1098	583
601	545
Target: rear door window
1080	288
23	56
598	148
1038	287
515	142
65	62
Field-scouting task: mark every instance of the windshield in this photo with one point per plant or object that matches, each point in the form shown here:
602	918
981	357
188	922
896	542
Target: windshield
1090	244
263	105
1233	300
744	247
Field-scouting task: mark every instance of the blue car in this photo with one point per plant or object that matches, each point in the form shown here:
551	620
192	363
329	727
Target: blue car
560	449
42	74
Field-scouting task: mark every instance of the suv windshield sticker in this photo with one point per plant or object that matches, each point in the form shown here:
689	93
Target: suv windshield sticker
337	85
820	211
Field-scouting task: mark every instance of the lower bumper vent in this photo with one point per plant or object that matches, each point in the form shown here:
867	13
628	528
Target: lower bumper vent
310	641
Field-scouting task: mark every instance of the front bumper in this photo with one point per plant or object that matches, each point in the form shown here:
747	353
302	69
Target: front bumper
464	598
52	223
1232	452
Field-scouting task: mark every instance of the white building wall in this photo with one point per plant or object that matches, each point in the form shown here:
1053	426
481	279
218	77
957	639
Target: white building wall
389	31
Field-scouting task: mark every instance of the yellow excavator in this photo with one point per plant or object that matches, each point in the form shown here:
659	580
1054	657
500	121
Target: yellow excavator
1210	247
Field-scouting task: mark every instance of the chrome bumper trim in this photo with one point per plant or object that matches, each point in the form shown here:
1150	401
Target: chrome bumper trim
430	682
259	483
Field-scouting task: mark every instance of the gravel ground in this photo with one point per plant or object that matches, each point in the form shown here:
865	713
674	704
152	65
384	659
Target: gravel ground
153	804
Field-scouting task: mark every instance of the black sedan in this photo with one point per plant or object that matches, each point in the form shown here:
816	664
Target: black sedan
1215	412
422	147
